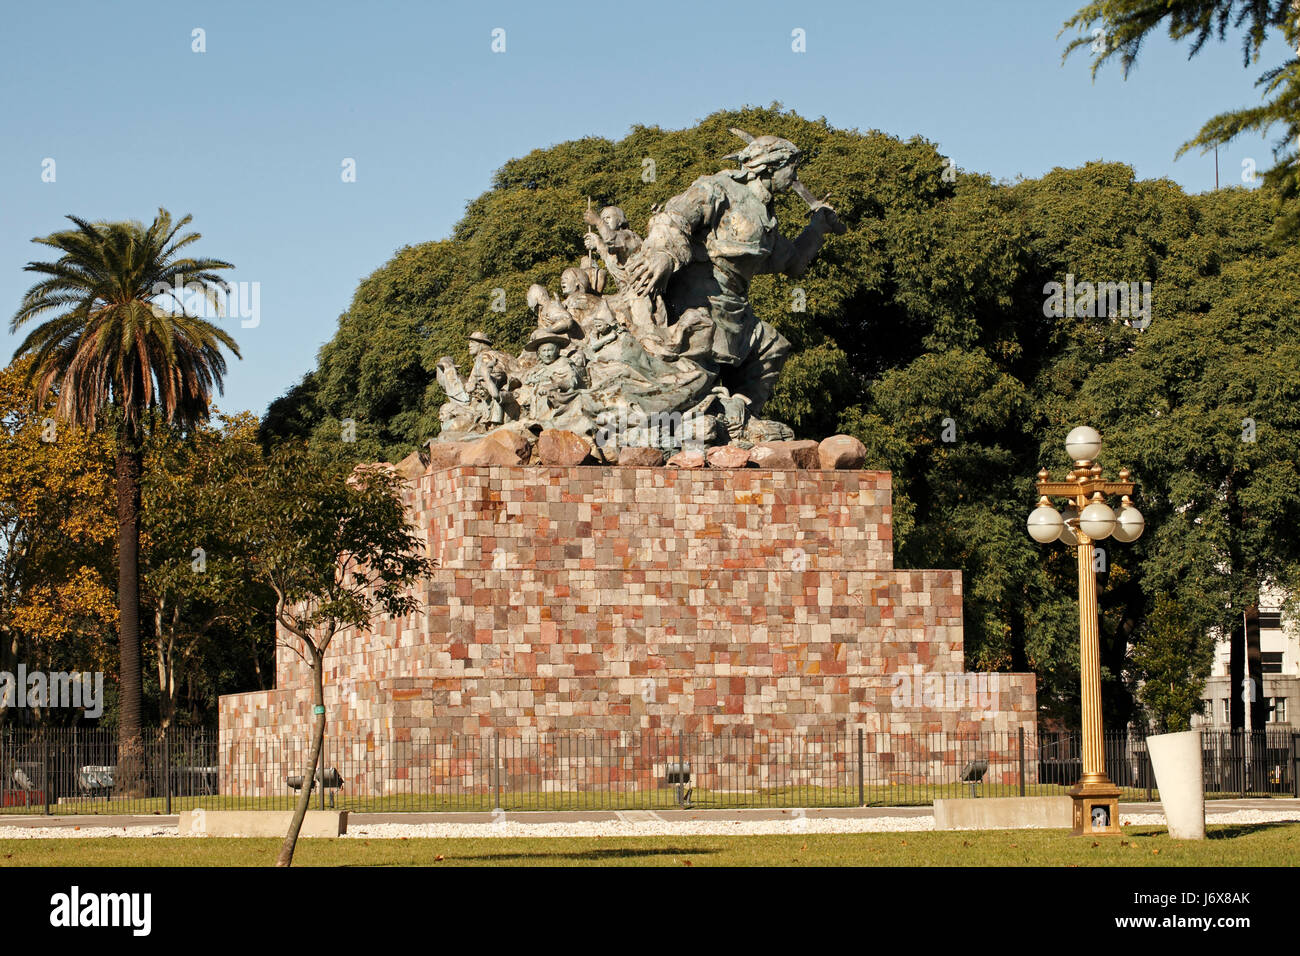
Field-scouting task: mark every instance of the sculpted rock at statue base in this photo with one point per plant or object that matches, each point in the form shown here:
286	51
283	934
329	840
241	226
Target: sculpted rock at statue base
770	456
675	358
727	456
444	455
504	446
842	451
786	454
640	456
558	447
688	459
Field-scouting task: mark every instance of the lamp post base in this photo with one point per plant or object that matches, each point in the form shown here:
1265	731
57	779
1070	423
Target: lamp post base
1096	808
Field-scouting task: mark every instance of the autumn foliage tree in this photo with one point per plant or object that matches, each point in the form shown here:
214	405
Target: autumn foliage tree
57	605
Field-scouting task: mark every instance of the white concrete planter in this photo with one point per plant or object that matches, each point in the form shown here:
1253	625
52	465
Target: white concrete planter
1176	759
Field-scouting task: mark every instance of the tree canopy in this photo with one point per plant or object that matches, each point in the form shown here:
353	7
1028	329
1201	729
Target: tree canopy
1113	28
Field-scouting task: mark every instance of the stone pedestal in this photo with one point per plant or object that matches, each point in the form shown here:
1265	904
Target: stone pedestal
640	600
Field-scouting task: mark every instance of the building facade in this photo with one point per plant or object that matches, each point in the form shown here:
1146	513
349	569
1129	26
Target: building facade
1279	651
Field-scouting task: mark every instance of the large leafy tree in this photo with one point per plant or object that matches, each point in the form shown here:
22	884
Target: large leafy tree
1205	409
208	608
115	347
1118	28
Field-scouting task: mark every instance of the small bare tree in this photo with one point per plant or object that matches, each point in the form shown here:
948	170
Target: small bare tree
337	551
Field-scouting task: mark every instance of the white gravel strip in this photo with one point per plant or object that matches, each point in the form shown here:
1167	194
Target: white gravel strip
513	827
67	833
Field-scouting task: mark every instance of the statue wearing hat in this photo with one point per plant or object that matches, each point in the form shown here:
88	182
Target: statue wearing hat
554	392
705	245
552	314
484	399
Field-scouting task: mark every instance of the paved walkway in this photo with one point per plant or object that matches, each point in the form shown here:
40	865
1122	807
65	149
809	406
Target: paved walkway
1212	807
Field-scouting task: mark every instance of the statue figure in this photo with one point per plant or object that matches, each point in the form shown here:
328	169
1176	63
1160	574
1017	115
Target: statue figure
706	244
484	399
614	241
580	301
552	315
554	391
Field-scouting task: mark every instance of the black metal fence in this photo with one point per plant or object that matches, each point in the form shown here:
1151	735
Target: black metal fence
78	771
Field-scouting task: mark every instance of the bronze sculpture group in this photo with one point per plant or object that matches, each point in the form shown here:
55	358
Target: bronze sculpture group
676	355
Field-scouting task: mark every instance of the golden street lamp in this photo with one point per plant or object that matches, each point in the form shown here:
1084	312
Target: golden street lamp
1088	518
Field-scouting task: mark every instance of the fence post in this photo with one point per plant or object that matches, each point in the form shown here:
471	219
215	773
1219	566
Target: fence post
862	794
167	769
1020	731
45	763
1295	764
496	767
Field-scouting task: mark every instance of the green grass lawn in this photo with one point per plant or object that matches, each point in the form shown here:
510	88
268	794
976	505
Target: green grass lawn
1228	845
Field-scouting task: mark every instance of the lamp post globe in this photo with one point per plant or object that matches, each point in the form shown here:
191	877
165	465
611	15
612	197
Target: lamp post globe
1083	443
1097	521
1068	537
1129	523
1045	523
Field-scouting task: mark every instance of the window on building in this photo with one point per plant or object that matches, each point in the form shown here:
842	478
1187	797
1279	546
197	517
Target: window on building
1271	662
1227	710
1277	710
1270	619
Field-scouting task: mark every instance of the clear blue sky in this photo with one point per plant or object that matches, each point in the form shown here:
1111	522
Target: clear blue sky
249	136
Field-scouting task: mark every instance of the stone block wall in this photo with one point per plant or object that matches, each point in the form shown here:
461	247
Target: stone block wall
628	605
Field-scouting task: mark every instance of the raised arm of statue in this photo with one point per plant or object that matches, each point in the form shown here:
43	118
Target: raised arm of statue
602	228
792	257
450	380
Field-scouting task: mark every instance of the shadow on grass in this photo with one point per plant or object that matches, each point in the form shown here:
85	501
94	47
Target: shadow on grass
1230	831
594	855
1214	831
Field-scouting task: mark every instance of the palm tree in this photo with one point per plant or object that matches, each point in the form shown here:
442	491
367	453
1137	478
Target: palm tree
122	350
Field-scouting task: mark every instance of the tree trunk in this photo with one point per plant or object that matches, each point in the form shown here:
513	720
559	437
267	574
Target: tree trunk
309	771
130	743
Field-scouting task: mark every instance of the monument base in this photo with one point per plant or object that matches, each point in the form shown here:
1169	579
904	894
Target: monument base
595	619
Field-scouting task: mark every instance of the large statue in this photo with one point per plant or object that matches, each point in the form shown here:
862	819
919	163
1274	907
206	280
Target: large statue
706	245
678	343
